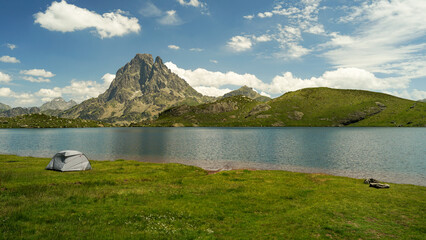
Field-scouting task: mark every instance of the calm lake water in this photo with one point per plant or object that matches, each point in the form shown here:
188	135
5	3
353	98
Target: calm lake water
388	154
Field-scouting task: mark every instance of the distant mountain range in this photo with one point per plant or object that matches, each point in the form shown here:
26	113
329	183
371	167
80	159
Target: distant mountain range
53	108
146	93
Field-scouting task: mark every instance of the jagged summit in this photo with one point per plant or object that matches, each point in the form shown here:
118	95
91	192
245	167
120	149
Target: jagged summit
141	89
58	104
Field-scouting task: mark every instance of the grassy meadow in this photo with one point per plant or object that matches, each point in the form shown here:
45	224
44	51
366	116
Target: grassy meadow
134	200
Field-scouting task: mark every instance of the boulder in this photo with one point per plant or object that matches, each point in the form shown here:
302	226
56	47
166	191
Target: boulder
379	185
370	180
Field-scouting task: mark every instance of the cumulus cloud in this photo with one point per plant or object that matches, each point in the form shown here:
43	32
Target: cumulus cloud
212	91
5	92
36	80
203	78
108	78
79	90
170	18
11	46
245	43
240	43
249	17
343	78
214	61
265	14
38	73
174	47
21	99
8	59
64	17
5	78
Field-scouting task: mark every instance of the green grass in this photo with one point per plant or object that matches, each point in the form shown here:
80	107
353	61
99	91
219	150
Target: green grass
45	121
317	107
136	200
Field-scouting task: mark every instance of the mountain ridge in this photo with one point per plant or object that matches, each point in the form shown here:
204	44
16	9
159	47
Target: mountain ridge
317	107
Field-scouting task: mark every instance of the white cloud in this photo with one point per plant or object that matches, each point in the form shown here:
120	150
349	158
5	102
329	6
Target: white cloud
64	17
11	46
150	10
289	39
203	78
388	38
212	91
301	17
48	94
192	3
240	43
343	78
196	49
5	92
5	78
20	98
8	59
262	38
108	78
265	14
36	80
214	61
79	90
174	47
38	73
170	18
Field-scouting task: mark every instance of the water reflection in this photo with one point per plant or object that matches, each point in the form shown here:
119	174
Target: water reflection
394	154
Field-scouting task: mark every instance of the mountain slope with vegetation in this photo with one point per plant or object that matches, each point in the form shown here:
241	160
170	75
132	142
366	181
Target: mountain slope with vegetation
39	120
307	107
141	90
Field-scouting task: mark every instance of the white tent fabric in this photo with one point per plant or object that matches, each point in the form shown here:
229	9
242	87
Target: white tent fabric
69	160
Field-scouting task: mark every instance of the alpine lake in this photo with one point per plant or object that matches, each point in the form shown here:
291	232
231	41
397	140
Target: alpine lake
396	155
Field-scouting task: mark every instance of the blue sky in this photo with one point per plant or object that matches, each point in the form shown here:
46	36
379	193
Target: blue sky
73	48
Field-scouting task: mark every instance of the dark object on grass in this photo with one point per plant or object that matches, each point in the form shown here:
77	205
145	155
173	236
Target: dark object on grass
371	180
379	185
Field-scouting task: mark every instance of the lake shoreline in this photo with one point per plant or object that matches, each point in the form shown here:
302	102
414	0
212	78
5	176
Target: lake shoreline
230	167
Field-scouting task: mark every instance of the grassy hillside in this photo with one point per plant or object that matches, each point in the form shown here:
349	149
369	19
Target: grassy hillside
307	107
44	121
135	200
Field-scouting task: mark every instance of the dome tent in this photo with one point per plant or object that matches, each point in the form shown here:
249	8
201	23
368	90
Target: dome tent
69	160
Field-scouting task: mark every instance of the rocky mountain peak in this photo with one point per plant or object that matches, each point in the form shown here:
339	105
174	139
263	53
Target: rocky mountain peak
248	92
141	89
58	104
